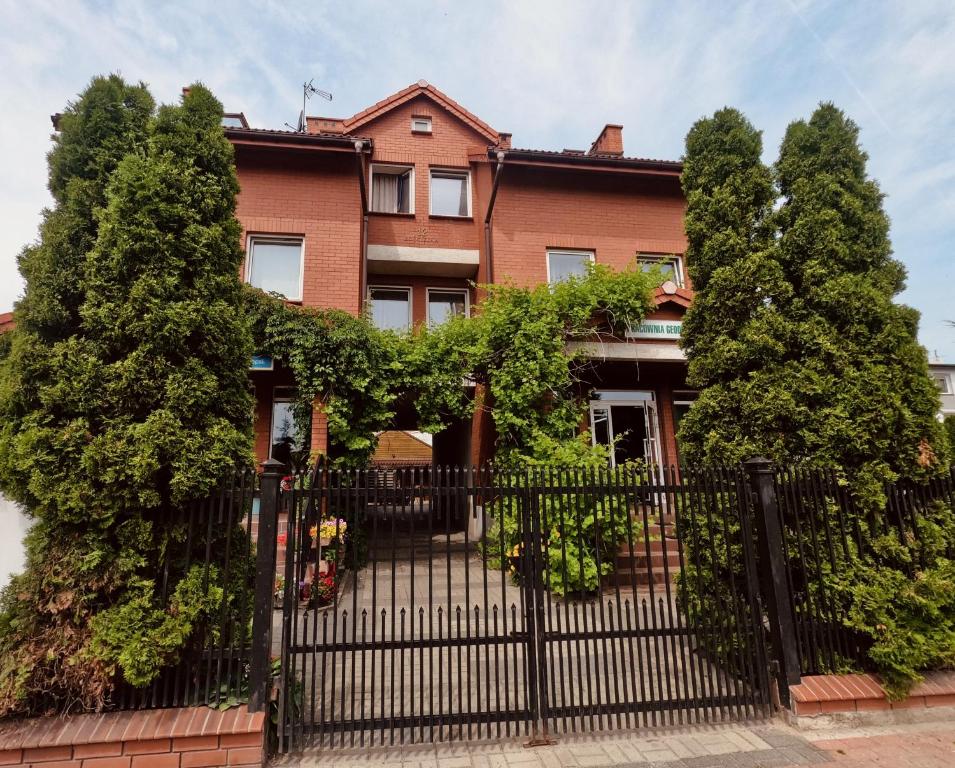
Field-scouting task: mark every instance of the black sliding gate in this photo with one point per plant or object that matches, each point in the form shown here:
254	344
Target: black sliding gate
434	604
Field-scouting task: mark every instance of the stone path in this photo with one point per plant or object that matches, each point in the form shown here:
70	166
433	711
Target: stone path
437	588
767	745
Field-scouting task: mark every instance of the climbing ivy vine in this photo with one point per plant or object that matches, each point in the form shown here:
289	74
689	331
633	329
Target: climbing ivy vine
515	346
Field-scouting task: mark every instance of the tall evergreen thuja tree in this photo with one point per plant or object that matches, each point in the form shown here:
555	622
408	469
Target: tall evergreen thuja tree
144	407
735	335
802	355
42	426
863	378
95	132
869	403
794	339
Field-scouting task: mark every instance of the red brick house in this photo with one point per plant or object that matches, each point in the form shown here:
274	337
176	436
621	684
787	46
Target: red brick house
410	201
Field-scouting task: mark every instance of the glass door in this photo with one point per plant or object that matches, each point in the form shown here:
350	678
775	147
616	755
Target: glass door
626	420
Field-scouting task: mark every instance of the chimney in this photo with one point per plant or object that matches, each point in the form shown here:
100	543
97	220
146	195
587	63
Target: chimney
504	140
324	124
609	142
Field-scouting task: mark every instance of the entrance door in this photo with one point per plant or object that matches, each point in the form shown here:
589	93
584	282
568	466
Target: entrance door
626	419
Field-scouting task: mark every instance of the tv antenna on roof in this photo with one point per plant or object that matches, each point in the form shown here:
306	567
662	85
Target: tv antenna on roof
309	90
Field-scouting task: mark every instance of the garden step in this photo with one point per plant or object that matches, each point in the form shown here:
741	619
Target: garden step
641	578
642	562
633	564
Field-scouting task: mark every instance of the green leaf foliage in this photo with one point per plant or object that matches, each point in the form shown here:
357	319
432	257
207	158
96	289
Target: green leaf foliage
580	533
124	394
336	358
515	347
793	336
140	637
800	351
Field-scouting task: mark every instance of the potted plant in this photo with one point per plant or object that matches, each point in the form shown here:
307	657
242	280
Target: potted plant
278	598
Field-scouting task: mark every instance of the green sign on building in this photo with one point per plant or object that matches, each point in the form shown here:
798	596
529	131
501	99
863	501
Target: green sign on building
657	329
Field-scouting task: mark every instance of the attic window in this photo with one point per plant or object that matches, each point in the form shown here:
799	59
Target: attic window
421	125
234	120
450	193
392	189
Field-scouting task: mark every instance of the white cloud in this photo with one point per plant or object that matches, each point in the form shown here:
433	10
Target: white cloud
551	72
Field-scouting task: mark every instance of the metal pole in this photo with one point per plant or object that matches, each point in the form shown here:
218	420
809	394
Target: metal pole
260	663
772	568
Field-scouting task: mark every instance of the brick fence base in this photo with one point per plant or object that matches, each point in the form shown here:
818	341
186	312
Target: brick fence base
193	737
830	694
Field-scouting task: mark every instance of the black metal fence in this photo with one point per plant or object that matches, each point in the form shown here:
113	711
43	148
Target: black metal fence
461	603
423	604
826	535
212	541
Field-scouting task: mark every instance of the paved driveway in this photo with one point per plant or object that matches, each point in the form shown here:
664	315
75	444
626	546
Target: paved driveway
772	745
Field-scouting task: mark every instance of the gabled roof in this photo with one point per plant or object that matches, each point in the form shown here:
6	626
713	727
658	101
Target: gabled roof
421	88
681	296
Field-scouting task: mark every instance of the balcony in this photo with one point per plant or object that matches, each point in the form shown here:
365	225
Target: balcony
412	260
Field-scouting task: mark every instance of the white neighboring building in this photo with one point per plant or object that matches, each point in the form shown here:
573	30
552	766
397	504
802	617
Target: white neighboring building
14	525
944	375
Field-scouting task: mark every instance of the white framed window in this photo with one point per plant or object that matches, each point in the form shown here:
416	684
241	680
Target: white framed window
670	266
450	193
420	124
286	434
275	264
392	189
563	265
445	303
944	383
390	307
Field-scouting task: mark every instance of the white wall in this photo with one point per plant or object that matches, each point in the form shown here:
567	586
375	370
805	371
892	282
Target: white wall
13	527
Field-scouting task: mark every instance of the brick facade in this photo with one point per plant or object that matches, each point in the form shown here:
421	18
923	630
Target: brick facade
615	217
449	146
313	197
310	185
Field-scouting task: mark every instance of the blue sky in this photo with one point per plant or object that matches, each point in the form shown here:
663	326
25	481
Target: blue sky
550	72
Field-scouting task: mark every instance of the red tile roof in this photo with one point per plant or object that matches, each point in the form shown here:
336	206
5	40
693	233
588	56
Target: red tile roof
421	88
266	136
582	158
682	296
278	132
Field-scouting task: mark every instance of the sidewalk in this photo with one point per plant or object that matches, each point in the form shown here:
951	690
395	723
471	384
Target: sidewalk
762	745
926	745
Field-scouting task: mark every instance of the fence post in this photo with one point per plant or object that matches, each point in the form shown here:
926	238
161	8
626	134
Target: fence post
774	579
261	662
